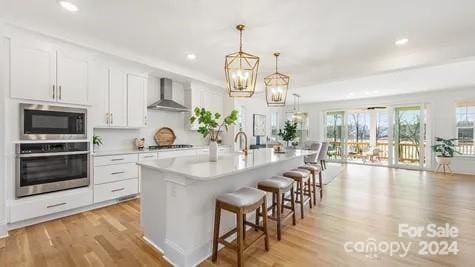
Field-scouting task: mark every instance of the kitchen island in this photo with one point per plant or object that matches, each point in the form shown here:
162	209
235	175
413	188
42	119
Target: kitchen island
178	197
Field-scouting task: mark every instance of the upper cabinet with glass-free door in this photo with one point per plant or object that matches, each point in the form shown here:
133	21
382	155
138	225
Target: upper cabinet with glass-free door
44	72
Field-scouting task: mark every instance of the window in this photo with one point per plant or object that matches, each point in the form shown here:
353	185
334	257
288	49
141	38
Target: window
334	133
274	124
465	115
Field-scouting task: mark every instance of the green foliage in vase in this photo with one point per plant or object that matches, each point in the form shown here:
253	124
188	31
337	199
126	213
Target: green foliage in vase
208	122
289	132
97	140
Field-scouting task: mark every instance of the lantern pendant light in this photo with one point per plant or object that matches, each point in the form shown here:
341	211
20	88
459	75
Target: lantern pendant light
276	85
241	71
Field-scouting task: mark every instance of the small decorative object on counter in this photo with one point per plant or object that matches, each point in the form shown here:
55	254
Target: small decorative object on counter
279	148
96	141
209	126
140	143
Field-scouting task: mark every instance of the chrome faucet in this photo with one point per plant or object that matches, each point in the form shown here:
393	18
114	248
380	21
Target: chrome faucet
245	141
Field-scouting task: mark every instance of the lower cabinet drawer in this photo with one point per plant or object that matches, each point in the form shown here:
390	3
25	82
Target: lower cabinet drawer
114	173
114	190
43	205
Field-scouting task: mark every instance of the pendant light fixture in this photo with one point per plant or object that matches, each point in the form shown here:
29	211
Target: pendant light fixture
241	71
276	85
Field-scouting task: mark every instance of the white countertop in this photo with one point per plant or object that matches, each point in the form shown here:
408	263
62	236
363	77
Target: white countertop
199	167
101	153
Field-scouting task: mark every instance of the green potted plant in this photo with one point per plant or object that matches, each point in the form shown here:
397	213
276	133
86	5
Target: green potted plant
96	141
289	132
444	150
208	125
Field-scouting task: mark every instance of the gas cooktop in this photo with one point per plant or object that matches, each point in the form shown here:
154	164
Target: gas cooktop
169	147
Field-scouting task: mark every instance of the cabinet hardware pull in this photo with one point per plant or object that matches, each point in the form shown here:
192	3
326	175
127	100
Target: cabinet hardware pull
145	120
60	92
147	157
56	205
115	173
117	159
107	117
54	91
117	190
112	118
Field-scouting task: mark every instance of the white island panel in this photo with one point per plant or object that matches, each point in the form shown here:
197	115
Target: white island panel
178	197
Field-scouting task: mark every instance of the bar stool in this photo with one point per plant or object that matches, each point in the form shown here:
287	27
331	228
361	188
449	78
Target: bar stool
240	202
278	186
302	177
314	169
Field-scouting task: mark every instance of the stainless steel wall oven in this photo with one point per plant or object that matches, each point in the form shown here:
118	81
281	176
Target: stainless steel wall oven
49	167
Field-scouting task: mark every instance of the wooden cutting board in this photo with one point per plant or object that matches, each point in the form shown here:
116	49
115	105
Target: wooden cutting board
164	136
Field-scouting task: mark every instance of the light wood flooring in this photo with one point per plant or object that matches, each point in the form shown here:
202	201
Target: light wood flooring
363	202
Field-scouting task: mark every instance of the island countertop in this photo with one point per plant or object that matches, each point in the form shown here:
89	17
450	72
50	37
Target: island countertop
200	168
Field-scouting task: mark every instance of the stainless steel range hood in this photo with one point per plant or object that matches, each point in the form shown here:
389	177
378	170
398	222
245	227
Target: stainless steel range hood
166	95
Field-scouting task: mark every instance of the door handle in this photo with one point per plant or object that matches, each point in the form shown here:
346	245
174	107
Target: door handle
54	91
60	92
117	190
56	205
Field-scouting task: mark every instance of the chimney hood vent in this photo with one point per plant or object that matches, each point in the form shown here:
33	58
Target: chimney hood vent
166	102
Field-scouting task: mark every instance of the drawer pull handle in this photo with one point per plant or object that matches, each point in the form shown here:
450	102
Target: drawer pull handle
117	190
115	173
56	205
117	159
147	157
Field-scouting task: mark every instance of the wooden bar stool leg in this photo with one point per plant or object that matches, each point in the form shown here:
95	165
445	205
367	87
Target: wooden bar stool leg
300	185
320	180
273	204
264	222
279	209
314	188
282	203
244	226
217	218
309	190
292	204
240	240
257	218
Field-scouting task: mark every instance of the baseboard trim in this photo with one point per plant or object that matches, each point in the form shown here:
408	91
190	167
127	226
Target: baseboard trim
149	242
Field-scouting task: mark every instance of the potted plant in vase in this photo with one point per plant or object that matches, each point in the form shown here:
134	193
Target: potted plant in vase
445	150
96	141
289	133
208	125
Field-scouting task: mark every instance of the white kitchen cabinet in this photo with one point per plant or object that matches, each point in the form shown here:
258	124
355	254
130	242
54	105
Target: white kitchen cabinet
72	78
117	98
41	71
136	101
33	71
205	98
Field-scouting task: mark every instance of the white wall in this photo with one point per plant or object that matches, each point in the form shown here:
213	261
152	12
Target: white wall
3	89
442	115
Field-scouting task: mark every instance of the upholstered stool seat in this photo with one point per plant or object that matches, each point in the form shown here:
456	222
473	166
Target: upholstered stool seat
242	197
240	202
303	192
278	186
315	169
278	182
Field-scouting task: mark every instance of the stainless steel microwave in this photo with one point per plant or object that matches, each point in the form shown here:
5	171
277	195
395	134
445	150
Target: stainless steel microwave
44	122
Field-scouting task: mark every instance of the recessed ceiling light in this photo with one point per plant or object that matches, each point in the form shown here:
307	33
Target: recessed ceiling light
402	42
191	56
69	6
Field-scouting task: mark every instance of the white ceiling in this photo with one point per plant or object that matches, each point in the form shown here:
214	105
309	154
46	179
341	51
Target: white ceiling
320	41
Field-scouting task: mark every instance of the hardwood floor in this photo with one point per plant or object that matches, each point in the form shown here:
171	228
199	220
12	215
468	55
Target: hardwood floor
363	202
